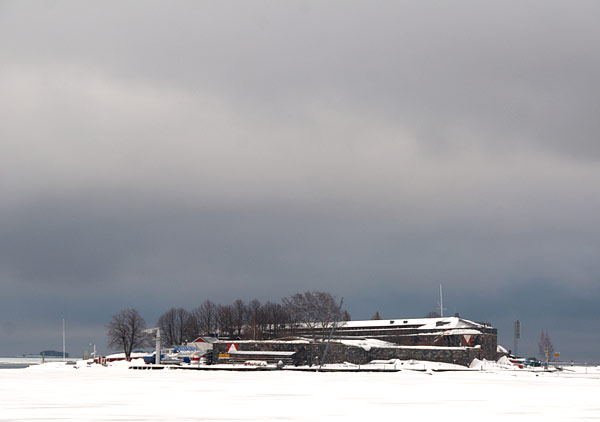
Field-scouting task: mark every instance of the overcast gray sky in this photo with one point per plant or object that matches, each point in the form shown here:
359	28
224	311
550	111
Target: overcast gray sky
157	154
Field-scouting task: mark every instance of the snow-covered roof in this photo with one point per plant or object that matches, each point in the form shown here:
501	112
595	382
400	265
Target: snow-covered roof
205	339
279	340
419	323
461	332
185	348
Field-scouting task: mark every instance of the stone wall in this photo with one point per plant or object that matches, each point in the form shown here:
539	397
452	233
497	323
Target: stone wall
487	340
311	353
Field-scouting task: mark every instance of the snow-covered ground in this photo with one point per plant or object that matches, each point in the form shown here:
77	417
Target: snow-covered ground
55	391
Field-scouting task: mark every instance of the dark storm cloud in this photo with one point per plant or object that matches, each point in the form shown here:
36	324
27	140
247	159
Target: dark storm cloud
158	154
65	243
504	73
217	253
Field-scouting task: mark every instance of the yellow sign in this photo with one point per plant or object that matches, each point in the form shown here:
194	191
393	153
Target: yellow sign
223	355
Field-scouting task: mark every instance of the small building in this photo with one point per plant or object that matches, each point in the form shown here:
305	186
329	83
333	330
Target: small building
203	343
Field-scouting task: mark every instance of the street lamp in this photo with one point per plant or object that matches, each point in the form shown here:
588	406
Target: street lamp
156	332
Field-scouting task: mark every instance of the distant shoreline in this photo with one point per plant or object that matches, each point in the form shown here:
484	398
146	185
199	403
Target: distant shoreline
14	365
19	362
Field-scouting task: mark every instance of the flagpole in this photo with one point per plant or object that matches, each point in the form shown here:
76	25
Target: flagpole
64	353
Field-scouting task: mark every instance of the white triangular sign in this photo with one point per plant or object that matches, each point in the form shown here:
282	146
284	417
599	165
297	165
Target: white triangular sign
232	348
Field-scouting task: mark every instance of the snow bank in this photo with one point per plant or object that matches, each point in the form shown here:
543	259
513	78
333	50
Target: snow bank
127	364
582	370
417	365
367	344
49	366
410	365
505	361
134	355
489	365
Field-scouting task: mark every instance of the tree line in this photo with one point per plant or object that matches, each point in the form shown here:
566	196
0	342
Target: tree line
315	310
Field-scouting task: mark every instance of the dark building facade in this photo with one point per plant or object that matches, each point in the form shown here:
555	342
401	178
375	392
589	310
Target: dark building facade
452	340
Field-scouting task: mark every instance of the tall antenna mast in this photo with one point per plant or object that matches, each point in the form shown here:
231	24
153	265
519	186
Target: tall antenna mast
517	337
441	303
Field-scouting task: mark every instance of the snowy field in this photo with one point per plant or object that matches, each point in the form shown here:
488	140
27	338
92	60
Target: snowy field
59	392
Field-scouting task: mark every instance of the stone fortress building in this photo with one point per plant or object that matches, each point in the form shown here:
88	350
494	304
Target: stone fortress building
450	339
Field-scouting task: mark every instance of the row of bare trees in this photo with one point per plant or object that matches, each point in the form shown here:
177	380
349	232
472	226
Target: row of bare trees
314	312
252	320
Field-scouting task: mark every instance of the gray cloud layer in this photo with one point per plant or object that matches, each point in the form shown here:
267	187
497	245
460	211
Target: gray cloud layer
157	154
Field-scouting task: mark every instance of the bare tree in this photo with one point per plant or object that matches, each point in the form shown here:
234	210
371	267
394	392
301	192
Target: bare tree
328	310
125	330
545	346
262	321
205	317
226	319
301	307
254	316
240	315
376	315
274	315
346	316
176	326
316	310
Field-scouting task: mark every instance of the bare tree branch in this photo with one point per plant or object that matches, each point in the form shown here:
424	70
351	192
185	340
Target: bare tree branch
316	310
545	345
176	326
125	330
206	318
